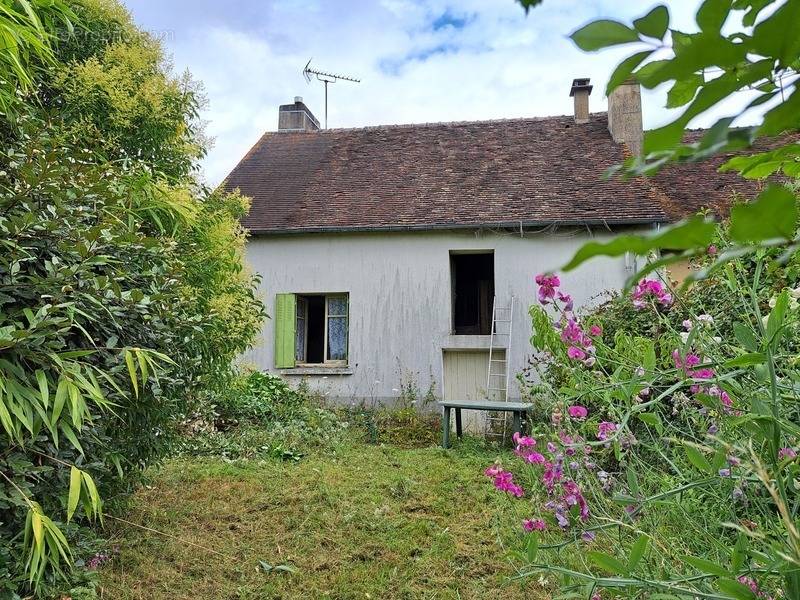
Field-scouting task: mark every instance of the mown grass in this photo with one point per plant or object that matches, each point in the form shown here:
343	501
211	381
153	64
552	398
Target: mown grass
356	521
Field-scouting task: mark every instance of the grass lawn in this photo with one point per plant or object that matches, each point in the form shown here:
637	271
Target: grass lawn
359	521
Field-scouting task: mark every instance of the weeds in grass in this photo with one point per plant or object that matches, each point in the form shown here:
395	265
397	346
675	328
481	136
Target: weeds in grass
354	519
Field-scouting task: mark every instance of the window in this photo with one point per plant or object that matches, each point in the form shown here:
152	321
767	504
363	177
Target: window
311	329
473	292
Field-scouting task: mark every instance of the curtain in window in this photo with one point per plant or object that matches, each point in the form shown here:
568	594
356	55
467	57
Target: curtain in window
300	328
337	327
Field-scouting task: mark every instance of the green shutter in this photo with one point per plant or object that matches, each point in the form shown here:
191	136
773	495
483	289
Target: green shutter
285	319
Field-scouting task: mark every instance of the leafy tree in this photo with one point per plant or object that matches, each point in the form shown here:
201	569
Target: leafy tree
760	56
123	294
28	29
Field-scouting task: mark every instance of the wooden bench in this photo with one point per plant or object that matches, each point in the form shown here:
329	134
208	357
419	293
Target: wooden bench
517	408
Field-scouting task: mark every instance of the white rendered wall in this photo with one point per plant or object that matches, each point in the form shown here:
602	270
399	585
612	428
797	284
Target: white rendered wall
400	298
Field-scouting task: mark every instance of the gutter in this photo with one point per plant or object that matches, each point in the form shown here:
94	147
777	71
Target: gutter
516	225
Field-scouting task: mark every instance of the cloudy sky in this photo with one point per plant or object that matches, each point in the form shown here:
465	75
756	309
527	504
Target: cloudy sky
418	60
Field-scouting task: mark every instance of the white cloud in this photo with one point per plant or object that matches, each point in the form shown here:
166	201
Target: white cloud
485	59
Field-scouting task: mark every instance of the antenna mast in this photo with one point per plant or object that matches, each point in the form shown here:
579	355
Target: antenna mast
325	78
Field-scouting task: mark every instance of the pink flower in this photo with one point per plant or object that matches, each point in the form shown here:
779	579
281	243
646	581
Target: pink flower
711	250
704	373
576	353
650	289
605	429
547	287
503	480
534	525
535	458
753	585
493	471
595	330
523	440
571	333
691	360
567	300
787	453
577	412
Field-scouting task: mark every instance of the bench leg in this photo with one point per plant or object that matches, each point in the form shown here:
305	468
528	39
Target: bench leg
517	422
458	423
446	427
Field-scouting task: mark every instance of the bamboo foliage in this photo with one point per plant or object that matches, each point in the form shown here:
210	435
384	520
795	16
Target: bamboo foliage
123	296
26	33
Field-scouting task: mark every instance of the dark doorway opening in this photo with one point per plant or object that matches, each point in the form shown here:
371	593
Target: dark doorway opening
473	293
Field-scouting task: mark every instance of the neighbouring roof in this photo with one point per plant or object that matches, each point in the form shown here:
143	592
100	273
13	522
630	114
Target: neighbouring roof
506	173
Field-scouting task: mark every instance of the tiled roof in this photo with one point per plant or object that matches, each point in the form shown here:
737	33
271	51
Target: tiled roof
513	172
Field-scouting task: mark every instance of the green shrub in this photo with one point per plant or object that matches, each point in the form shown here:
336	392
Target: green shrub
259	415
123	294
259	398
672	436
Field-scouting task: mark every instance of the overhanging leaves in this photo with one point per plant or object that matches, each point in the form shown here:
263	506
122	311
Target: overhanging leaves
697	232
772	215
602	34
654	24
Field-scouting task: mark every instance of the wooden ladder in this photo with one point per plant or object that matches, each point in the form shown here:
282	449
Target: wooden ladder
498	373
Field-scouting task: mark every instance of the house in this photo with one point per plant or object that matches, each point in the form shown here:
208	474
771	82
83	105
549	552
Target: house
384	249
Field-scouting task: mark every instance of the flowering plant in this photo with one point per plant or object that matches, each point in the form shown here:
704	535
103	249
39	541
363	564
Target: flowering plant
674	447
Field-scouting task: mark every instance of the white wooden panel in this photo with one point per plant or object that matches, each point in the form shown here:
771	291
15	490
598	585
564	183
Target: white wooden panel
465	379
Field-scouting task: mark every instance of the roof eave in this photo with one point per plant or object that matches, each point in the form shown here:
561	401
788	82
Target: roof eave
522	224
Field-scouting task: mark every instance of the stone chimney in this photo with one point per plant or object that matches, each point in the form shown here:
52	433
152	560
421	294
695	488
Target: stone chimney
580	93
625	115
296	117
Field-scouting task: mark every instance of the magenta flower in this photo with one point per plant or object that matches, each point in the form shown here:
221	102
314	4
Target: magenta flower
505	483
711	250
534	525
704	373
571	333
595	330
753	585
691	360
576	353
566	299
535	458
650	289
547	287
523	440
787	453
493	471
605	429
577	412
503	480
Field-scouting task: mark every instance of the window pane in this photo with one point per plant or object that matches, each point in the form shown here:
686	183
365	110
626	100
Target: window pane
300	341
337	338
337	306
300	331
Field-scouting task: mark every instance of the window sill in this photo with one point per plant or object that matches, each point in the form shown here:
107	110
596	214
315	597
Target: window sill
317	370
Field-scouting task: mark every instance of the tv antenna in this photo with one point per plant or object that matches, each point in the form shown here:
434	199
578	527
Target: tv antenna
325	78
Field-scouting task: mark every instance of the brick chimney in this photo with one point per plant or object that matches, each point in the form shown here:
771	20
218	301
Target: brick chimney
580	93
296	117
625	115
